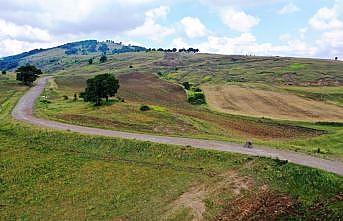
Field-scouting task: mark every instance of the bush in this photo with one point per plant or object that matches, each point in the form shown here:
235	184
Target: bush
3	72
65	97
45	101
103	58
186	85
130	66
144	108
196	98
121	99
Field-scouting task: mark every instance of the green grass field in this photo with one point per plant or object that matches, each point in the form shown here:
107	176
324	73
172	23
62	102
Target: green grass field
66	176
175	117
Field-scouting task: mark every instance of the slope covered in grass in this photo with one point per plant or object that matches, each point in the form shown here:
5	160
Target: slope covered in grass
67	176
171	115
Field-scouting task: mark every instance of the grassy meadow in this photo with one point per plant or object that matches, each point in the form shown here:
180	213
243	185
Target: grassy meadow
66	176
172	115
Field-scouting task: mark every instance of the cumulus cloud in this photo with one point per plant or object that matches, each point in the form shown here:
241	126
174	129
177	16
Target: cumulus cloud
77	16
151	29
330	44
12	46
238	20
23	32
288	9
246	43
193	27
179	43
326	18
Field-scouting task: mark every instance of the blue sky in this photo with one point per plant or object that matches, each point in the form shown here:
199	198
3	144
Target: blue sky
302	28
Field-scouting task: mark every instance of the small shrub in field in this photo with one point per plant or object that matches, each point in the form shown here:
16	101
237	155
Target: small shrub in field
130	66
186	85
159	73
3	72
144	108
196	98
65	97
45	101
121	99
280	162
75	97
103	59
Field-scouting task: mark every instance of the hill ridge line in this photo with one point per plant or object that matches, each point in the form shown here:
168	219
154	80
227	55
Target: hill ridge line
23	111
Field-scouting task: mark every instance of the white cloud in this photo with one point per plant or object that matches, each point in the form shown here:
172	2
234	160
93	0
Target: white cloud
193	27
302	32
151	29
77	16
326	19
24	32
288	9
238	20
12	46
179	43
160	12
243	44
330	44
246	43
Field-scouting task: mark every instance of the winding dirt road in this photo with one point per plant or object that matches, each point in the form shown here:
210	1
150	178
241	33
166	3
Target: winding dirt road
23	111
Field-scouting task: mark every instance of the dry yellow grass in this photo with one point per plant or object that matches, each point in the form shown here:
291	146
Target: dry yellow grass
261	103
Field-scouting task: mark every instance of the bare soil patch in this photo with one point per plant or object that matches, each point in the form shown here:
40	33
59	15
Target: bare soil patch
194	197
260	103
262	205
148	88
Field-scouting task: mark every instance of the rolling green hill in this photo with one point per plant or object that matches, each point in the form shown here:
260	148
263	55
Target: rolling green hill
53	59
179	67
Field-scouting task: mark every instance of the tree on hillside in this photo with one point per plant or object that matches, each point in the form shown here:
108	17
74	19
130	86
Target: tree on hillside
101	86
90	61
103	58
28	74
3	72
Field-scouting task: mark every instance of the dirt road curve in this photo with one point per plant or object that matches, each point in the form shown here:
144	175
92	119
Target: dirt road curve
24	112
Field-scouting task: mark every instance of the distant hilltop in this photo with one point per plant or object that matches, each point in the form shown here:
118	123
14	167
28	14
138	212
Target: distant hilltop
46	57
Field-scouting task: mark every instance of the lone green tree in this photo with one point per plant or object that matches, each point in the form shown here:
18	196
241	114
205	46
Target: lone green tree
3	72
101	86
28	74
